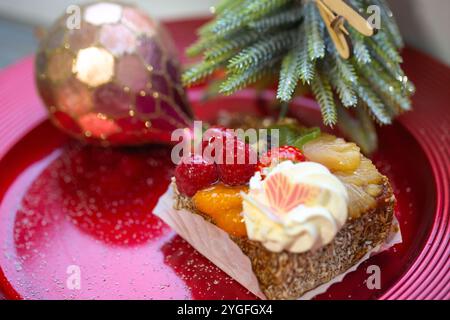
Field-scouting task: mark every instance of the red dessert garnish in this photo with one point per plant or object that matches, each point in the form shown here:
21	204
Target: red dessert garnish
277	155
227	158
194	173
239	167
215	137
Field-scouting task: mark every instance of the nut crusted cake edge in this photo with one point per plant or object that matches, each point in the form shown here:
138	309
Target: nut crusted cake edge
288	275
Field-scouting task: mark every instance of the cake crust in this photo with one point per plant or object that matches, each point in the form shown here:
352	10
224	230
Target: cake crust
287	275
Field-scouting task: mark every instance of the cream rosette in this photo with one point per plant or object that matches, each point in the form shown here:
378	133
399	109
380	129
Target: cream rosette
297	207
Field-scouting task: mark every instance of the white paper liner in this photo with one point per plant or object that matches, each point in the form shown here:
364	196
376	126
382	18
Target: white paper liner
216	245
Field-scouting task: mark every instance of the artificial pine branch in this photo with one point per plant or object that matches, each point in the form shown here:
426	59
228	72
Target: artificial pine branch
344	68
390	66
204	69
391	25
230	45
344	90
289	75
324	95
260	8
225	5
254	38
360	49
385	84
231	21
388	47
286	17
314	30
373	101
262	51
239	80
306	68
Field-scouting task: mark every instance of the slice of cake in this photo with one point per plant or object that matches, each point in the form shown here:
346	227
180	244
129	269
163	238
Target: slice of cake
304	214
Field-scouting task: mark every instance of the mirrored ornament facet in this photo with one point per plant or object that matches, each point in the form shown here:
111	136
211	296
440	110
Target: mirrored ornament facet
103	13
59	66
74	98
83	37
94	66
118	39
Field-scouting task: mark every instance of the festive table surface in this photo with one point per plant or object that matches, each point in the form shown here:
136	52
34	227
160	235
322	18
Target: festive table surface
21	110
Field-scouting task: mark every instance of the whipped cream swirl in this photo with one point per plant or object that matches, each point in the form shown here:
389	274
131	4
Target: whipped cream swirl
297	207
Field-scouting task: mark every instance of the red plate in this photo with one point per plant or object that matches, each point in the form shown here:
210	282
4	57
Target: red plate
65	205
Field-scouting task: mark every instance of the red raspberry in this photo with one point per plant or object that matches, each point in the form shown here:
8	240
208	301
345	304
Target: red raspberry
277	155
238	170
195	173
214	133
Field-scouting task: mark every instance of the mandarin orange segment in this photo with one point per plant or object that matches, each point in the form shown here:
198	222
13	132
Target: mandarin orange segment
224	205
232	222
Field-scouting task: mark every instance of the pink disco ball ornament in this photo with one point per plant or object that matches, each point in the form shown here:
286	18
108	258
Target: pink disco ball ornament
113	78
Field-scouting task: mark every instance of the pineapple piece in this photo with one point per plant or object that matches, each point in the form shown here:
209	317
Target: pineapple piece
360	177
334	153
363	186
366	173
359	200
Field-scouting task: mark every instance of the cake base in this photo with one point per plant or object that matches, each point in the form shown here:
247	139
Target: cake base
283	275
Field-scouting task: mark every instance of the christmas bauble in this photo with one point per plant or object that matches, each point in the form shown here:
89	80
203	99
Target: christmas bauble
109	74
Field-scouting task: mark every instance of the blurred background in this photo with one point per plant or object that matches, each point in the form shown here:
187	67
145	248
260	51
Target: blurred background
424	23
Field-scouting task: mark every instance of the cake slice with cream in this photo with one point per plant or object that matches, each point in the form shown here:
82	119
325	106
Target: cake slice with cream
289	224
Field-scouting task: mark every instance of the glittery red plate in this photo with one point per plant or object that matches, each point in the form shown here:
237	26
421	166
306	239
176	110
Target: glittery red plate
64	204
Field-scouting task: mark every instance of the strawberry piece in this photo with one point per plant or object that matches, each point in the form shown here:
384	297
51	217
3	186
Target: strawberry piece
277	155
237	169
195	173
